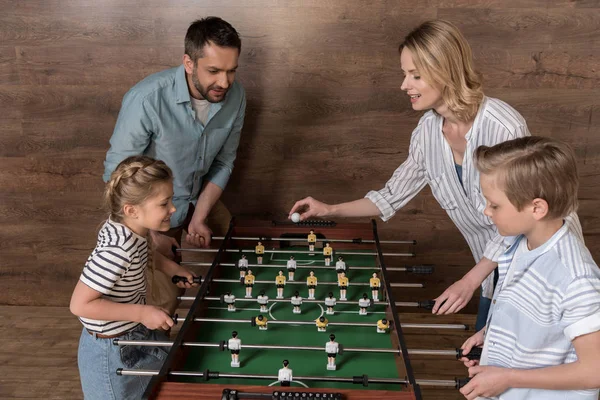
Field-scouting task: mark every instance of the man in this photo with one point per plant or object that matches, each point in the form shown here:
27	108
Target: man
190	117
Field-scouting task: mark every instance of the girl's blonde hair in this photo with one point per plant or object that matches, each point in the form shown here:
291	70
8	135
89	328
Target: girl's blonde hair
443	57
533	167
132	182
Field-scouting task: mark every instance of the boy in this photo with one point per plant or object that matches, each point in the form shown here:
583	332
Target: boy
542	338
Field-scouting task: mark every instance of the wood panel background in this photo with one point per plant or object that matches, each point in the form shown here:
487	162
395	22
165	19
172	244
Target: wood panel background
325	117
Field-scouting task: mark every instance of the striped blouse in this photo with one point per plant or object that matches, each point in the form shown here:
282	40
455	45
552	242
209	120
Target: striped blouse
430	162
116	269
545	298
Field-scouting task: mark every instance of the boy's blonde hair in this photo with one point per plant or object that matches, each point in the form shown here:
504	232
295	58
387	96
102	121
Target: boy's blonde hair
533	167
443	57
132	182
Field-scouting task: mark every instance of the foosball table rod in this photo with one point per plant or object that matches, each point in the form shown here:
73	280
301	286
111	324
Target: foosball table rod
415	269
340	253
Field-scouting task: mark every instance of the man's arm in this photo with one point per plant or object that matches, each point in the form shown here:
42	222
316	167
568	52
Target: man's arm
132	133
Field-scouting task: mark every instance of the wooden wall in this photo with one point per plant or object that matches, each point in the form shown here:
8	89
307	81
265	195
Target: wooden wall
325	113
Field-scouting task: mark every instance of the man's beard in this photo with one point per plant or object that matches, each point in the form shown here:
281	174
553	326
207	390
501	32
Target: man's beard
204	91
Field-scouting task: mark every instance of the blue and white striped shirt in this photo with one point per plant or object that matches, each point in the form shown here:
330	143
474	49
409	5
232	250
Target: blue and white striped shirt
431	162
117	269
544	299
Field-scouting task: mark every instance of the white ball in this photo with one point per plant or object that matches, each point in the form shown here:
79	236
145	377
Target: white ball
295	217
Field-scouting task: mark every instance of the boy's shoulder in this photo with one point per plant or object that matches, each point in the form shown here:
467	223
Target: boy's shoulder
574	258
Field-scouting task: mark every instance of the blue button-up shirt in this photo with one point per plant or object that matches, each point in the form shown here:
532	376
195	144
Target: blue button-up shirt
157	120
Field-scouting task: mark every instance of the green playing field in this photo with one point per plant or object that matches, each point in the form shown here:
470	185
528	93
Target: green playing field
302	362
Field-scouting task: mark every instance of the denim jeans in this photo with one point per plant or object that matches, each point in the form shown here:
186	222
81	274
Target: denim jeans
99	359
482	312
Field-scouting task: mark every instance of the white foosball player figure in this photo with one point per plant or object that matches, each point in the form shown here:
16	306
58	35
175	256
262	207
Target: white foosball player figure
243	266
263	301
285	374
375	284
235	344
291	268
229	299
363	304
330	303
311	283
296	302
340	266
331	348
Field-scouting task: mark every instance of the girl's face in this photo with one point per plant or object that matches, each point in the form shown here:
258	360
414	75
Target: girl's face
155	213
423	96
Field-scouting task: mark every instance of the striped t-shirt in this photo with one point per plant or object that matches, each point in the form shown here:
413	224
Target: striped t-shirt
117	269
430	162
544	299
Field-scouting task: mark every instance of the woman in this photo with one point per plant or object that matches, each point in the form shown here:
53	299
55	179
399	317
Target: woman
440	79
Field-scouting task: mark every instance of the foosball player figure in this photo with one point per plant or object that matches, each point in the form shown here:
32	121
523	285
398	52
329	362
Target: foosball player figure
330	303
260	251
263	301
285	374
261	322
327	252
296	302
363	304
343	285
229	299
375	283
280	283
312	239
322	323
311	283
291	267
234	344
243	266
383	325
331	348
340	266
249	282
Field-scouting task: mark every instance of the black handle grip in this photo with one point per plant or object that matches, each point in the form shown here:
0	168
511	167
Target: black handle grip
460	383
177	279
427	304
175	318
421	269
474	354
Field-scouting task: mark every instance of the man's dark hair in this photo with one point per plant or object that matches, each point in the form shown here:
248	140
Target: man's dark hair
210	29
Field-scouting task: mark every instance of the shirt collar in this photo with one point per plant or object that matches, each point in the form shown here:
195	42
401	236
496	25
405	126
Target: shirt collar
476	120
181	87
514	241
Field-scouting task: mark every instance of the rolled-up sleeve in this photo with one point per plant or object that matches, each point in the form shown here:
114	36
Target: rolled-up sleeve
132	133
222	166
405	183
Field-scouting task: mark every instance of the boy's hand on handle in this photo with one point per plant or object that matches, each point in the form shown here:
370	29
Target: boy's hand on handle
156	318
454	299
486	382
309	207
474	341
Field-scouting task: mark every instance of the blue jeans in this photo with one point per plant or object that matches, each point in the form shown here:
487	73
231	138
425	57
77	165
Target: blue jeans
482	312
99	359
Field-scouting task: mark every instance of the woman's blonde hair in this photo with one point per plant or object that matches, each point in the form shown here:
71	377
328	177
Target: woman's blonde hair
444	58
533	167
132	182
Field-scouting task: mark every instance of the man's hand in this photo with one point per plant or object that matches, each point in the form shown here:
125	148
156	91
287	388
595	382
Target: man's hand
199	234
454	299
163	244
487	382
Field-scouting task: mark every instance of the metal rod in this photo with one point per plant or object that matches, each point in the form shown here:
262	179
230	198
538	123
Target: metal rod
215	375
332	267
404	285
288	239
283	322
345	253
156	343
375	303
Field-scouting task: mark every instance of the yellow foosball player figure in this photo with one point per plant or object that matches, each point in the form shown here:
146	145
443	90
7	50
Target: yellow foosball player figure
312	239
383	325
343	282
375	283
259	250
280	283
261	322
311	282
249	282
327	252
322	323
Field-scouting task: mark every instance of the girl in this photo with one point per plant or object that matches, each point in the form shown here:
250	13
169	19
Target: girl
110	297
